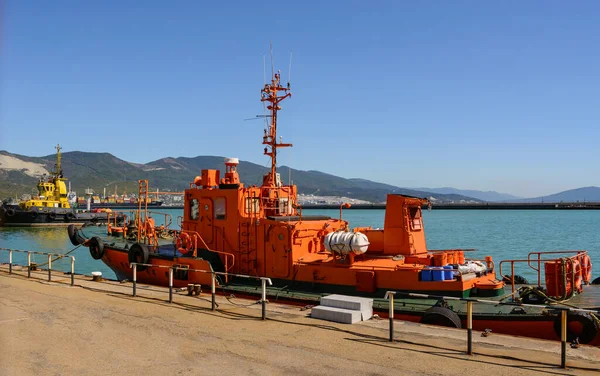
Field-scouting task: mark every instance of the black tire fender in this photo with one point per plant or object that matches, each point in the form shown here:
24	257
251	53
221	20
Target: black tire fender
10	212
69	217
52	216
589	327
96	246
74	236
441	316
33	214
519	280
594	282
139	254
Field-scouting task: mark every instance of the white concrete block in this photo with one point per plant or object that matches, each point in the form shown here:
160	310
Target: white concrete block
341	315
364	305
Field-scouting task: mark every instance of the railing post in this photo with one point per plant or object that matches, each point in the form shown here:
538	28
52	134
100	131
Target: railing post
391	316
469	327
49	268
212	291
264	298
171	285
72	271
28	264
563	338
134	278
10	261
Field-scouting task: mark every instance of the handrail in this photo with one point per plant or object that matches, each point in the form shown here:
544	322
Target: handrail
196	234
563	313
29	253
547	253
213	274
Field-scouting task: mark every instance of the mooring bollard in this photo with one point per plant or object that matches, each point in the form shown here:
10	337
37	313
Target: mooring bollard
134	277
469	327
72	271
49	268
171	285
264	298
391	316
212	291
10	261
28	264
563	339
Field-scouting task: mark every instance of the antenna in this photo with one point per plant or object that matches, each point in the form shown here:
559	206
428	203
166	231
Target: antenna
272	64
265	68
290	70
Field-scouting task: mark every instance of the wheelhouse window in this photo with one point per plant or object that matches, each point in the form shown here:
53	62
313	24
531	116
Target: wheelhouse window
416	222
220	208
252	205
194	209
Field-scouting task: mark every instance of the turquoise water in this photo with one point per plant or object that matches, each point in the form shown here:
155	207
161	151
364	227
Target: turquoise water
509	234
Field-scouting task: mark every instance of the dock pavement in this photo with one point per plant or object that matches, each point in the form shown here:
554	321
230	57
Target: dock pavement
99	328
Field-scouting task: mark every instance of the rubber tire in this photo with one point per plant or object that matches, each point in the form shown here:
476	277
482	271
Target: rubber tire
96	246
589	329
519	280
139	253
596	281
33	214
51	217
10	212
69	217
74	236
441	316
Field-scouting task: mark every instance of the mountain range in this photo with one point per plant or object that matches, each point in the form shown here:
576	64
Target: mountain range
19	174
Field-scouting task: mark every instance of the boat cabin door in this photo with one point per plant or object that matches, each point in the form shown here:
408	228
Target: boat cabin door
206	220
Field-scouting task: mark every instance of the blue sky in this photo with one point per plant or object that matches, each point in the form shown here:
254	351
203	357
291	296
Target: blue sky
474	95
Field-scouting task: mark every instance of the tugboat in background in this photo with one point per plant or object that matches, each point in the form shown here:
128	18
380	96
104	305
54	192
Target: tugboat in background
50	207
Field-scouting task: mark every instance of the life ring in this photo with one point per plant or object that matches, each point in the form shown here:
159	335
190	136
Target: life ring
184	242
579	325
10	212
139	254
578	276
441	316
96	246
586	268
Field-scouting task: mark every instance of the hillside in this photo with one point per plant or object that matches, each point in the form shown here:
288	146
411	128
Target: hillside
480	195
589	194
105	171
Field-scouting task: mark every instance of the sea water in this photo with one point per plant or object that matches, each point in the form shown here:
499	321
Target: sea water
502	234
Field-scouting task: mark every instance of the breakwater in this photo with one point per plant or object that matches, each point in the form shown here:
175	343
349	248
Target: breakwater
480	206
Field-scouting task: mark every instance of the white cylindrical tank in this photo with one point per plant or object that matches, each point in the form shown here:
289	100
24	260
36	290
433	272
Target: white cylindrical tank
344	242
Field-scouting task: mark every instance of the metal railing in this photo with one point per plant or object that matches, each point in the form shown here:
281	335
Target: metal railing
563	317
213	274
50	255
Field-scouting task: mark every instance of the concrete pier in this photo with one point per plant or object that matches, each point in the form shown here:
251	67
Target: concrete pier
99	328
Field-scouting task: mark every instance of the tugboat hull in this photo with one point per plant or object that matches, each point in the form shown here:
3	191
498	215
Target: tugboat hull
16	217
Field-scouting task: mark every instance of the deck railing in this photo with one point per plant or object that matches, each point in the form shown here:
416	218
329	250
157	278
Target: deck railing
49	262
264	281
563	317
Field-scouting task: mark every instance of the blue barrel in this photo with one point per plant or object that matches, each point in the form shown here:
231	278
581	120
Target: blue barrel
449	273
426	275
438	275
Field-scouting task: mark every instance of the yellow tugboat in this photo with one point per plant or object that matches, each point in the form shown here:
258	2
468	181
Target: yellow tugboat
50	207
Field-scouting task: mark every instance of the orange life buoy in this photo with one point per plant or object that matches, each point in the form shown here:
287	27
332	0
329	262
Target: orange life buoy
586	268
577	271
184	242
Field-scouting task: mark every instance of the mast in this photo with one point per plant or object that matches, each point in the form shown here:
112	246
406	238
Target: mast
57	168
270	94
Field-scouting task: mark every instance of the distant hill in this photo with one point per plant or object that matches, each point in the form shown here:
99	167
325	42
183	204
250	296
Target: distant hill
480	195
101	171
588	194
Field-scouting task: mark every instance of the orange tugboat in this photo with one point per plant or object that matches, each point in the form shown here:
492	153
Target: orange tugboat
261	231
